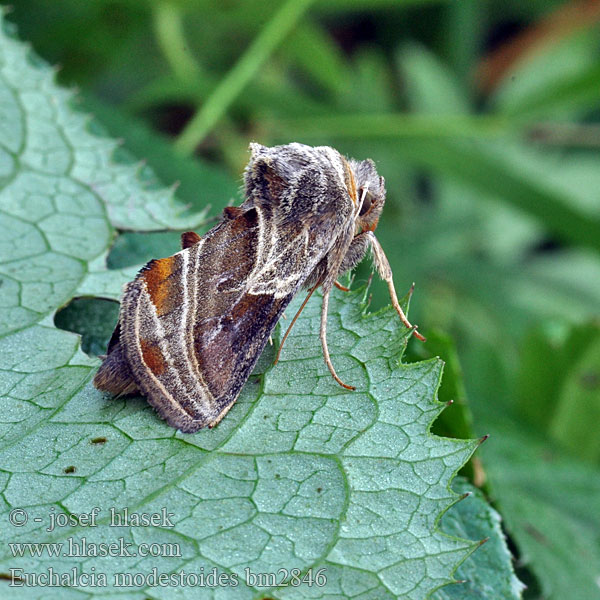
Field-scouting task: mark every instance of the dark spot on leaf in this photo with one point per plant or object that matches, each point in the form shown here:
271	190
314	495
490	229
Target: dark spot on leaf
70	469
99	440
265	417
590	380
319	490
277	476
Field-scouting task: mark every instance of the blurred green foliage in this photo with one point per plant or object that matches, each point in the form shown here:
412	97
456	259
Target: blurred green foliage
484	119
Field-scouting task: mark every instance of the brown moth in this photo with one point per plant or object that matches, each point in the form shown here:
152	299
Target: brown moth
192	326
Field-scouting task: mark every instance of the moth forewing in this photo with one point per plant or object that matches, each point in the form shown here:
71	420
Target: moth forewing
192	326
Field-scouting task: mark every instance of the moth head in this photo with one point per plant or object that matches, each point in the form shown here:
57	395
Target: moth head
370	192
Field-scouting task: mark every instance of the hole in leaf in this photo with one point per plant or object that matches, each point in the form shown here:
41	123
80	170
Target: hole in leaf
137	248
93	318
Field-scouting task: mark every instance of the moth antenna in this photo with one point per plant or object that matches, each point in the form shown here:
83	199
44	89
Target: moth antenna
384	270
326	356
310	293
339	286
362	199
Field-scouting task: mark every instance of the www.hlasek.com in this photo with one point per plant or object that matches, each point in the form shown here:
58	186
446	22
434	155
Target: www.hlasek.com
82	547
85	547
211	579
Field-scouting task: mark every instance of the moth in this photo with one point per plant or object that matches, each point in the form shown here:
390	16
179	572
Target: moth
192	326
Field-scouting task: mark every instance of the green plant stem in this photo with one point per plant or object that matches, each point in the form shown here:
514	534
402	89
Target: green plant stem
448	146
465	24
392	126
168	26
240	75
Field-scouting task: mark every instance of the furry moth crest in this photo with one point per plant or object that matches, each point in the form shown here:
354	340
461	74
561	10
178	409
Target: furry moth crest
192	326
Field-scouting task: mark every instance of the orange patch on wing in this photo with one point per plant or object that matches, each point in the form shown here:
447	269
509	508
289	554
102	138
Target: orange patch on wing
233	212
372	227
162	292
351	182
189	238
152	356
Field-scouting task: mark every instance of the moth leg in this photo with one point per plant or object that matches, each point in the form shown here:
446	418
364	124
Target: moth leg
355	253
339	286
384	270
310	292
326	356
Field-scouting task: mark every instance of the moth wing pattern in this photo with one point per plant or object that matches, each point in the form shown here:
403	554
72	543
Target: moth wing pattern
192	326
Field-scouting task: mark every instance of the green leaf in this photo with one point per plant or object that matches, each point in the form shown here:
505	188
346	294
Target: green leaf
339	6
487	574
500	167
558	80
458	421
316	53
548	496
198	184
301	474
430	87
550	356
549	502
578	407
